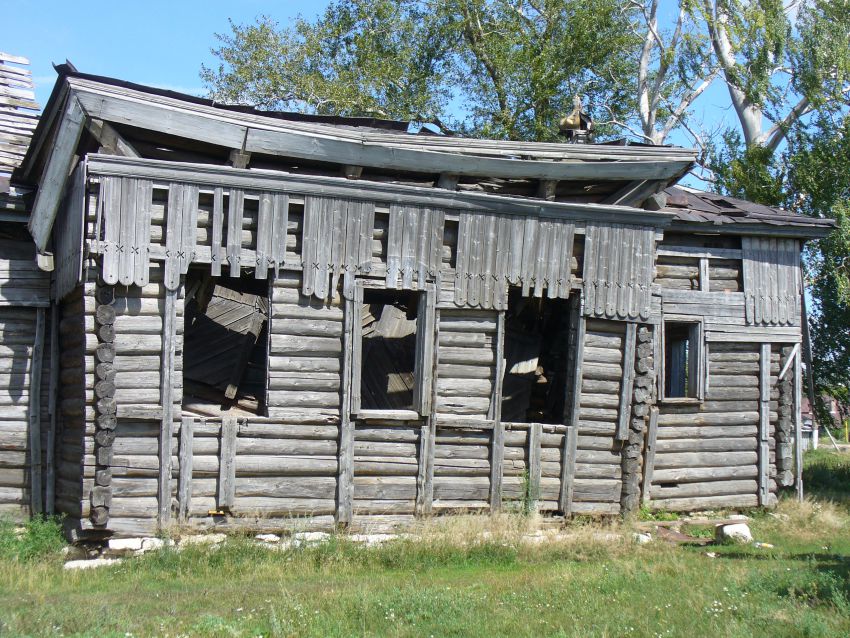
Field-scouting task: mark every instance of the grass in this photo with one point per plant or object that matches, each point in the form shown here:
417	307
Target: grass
465	576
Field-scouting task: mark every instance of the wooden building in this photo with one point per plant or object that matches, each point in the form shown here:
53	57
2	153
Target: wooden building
268	320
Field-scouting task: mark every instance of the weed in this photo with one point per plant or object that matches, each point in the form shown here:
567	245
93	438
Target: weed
37	538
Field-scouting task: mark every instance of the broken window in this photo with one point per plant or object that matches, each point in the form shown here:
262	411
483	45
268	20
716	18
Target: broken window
534	386
389	349
225	348
682	357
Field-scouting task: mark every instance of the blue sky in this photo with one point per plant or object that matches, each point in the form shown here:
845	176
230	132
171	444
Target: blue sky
154	42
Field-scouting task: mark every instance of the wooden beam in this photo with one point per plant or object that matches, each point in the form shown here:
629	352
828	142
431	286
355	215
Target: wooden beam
497	446
34	415
704	283
169	336
795	352
649	456
633	193
184	483
764	424
227	464
425	470
627	382
56	171
534	465
345	468
110	140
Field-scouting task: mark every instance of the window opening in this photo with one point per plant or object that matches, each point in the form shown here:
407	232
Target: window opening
536	346
225	347
389	320
681	360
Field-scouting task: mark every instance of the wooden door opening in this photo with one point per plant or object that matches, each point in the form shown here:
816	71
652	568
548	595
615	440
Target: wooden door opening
534	387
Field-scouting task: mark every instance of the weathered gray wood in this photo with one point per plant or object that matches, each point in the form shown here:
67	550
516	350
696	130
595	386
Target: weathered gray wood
571	412
424	365
534	467
184	484
649	456
497	445
34	415
226	496
50	455
627	384
350	360
57	168
798	426
169	335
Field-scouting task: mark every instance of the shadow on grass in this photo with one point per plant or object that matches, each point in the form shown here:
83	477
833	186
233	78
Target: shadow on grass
826	475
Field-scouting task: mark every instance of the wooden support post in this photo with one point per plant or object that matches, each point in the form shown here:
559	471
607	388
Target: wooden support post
425	473
345	469
798	426
568	469
50	457
627	382
571	412
239	158
349	171
497	449
169	336
764	424
34	415
534	466
448	181
649	458
184	484
704	282
227	464
546	189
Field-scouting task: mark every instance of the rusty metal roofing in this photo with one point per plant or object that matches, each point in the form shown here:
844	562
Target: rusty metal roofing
694	206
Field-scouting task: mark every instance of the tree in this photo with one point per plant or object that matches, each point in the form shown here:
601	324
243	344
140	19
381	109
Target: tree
496	68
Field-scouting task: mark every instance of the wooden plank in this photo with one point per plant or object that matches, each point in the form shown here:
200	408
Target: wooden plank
227	464
355	309
169	336
280	215
265	236
217	227
627	383
235	211
350	359
56	171
424	365
141	244
184	483
497	445
110	202
649	456
34	415
699	252
425	470
534	465
173	233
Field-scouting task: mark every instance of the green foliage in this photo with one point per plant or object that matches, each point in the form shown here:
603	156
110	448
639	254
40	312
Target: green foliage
36	539
647	514
493	68
752	173
826	475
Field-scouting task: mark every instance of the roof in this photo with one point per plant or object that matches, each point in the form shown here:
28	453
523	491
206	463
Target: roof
695	206
18	113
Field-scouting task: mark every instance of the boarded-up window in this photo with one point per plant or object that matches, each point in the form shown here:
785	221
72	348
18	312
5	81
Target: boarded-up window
225	351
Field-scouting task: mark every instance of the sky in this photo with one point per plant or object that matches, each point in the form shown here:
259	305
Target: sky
155	42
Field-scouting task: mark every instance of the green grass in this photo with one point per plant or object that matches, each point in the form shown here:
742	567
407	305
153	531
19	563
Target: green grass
450	584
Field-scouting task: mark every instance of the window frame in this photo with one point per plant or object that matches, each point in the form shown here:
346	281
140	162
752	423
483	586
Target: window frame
423	357
697	365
